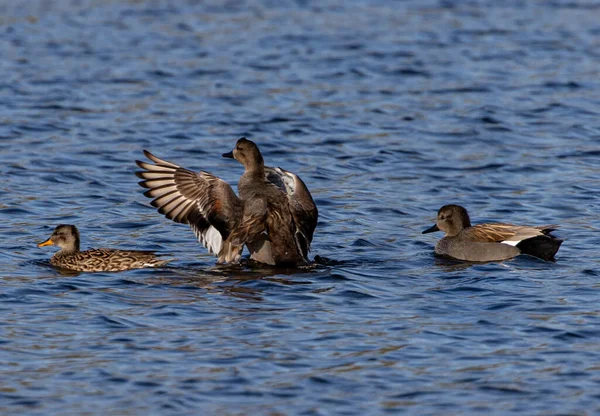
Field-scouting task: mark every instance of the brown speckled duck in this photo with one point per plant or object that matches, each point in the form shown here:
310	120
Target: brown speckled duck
490	242
274	215
95	260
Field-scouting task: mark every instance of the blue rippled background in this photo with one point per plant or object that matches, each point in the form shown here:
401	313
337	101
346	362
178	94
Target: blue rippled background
387	110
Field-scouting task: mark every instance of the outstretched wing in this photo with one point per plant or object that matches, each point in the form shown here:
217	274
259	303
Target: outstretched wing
302	206
200	199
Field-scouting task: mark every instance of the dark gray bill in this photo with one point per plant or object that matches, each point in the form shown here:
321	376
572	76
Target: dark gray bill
431	229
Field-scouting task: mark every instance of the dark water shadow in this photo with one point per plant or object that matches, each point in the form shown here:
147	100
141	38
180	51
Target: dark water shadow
240	281
45	264
449	264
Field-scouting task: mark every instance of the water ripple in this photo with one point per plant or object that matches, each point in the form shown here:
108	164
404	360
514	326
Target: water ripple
411	106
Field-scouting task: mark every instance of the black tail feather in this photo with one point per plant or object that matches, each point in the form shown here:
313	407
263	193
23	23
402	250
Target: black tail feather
544	247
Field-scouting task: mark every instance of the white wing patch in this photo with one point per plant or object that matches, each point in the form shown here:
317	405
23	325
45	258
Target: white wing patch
511	243
289	180
210	238
284	180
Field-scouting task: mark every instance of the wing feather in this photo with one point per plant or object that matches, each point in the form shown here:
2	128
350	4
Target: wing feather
303	208
205	202
158	183
160	191
500	232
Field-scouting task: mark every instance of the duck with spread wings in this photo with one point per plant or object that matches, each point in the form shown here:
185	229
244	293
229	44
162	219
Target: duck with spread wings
274	216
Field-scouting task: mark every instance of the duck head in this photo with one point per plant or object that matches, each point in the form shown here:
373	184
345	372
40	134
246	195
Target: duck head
246	152
451	219
65	236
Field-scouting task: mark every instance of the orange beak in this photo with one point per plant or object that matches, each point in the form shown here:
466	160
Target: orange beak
48	242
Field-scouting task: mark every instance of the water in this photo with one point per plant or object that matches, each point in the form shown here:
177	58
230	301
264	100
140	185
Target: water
387	110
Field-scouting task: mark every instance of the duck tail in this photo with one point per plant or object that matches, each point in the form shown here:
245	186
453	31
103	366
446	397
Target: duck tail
161	263
543	247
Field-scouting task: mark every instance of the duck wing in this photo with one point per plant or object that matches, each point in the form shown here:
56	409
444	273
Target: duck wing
200	199
505	233
303	208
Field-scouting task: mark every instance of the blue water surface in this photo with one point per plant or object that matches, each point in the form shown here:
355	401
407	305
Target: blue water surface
387	110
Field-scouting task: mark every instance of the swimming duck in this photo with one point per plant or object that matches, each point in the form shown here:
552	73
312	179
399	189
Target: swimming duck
95	260
274	215
490	242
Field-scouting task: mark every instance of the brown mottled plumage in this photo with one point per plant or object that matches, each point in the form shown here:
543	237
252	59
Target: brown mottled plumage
274	216
490	242
95	260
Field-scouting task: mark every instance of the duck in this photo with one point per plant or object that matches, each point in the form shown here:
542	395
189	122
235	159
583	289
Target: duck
274	216
491	241
66	236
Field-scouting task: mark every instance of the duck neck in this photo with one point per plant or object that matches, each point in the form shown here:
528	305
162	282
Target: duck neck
256	170
453	230
70	248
